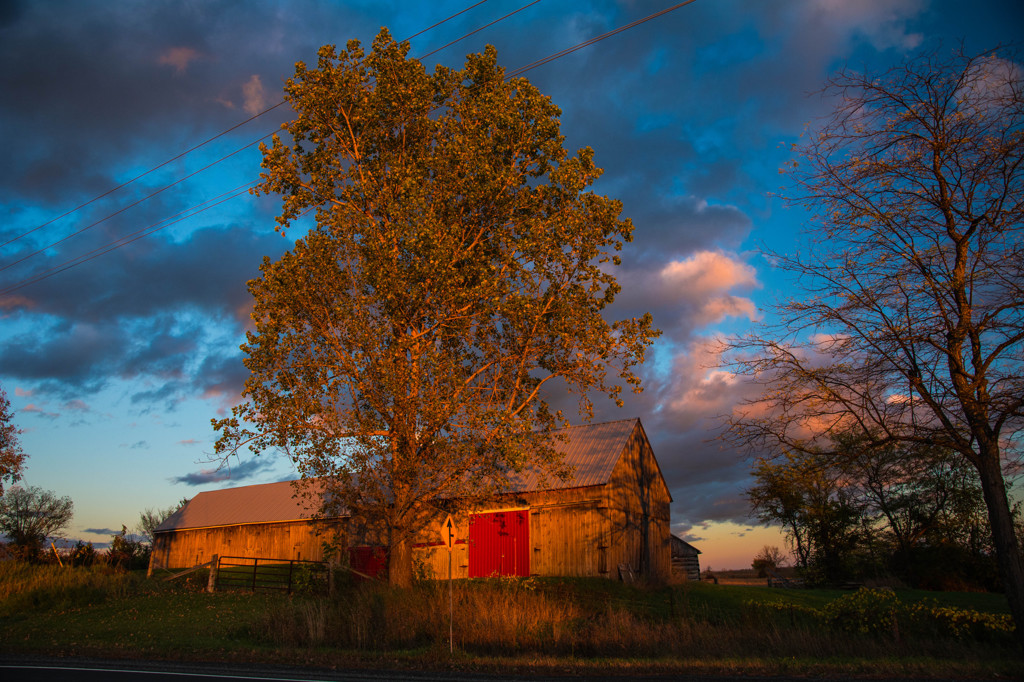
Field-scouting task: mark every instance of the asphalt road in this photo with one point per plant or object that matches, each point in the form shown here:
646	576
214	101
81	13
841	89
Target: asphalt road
17	669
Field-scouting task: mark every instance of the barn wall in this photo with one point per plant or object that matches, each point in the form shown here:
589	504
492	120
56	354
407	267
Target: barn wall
580	531
638	503
288	540
585	531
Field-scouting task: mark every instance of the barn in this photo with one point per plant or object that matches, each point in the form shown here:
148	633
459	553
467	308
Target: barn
611	518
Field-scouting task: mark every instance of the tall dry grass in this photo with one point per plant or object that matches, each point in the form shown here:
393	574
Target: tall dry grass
512	617
29	587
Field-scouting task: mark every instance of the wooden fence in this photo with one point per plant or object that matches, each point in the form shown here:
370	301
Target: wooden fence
288	575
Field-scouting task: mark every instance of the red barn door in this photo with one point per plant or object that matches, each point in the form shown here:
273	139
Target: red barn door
499	544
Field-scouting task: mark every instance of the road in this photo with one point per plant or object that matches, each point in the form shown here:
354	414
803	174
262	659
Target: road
38	669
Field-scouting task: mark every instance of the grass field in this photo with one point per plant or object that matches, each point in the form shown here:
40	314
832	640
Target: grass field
503	625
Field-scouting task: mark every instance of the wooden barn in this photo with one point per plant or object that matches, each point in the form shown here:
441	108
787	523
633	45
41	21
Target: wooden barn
685	559
611	518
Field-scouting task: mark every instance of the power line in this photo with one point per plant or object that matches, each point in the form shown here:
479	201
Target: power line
132	237
133	204
540	62
208	141
596	39
122	210
142	175
447	45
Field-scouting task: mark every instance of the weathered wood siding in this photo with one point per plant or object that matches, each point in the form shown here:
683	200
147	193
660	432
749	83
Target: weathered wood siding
585	531
287	540
638	504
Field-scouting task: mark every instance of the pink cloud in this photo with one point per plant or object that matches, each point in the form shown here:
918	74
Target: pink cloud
179	58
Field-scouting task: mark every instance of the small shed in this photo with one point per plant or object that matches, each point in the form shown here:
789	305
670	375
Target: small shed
610	517
685	559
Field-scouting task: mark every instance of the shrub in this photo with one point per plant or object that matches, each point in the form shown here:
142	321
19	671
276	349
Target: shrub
866	611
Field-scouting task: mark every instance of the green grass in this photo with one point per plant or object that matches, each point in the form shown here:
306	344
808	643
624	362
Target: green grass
501	626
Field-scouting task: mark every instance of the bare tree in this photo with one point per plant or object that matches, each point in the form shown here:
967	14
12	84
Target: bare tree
907	324
151	518
30	515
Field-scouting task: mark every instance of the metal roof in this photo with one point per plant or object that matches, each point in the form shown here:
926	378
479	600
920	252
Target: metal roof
266	503
592	450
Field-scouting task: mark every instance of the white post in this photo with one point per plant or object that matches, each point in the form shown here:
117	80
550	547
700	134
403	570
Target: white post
451	611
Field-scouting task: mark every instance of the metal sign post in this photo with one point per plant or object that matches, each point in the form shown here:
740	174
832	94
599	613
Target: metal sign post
448	538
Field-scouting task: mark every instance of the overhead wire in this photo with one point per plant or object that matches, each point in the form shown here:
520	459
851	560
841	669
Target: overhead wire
124	240
223	158
114	245
596	39
214	138
133	204
142	175
447	45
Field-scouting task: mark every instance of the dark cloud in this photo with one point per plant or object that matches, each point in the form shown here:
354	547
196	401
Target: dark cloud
101	531
154	315
234	474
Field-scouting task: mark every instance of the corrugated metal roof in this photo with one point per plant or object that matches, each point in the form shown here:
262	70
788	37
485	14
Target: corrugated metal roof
269	502
591	449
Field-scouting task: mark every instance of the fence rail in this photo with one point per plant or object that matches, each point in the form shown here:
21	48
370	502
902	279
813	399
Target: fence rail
287	575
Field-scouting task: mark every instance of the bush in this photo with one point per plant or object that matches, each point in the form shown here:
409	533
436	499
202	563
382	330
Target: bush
879	612
126	552
866	611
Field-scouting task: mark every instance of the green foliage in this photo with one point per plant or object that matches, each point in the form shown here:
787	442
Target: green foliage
866	611
126	552
561	625
83	554
852	511
881	613
458	270
26	588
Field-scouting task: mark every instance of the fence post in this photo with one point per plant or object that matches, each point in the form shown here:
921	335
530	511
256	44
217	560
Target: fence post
211	581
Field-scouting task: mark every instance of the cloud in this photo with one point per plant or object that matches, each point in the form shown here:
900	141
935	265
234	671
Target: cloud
156	315
255	97
883	22
102	531
178	57
239	472
688	294
32	408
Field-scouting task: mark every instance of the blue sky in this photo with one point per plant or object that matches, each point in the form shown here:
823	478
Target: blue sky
115	366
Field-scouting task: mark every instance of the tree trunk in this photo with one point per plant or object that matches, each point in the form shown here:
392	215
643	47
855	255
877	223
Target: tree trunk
400	561
1011	566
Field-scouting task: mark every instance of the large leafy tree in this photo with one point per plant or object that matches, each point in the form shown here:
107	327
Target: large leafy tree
12	458
908	324
406	349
